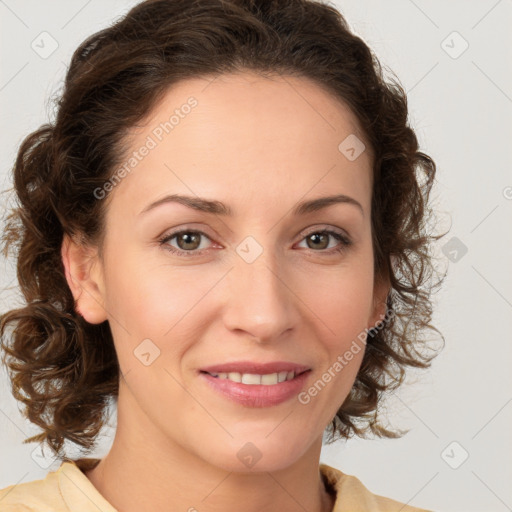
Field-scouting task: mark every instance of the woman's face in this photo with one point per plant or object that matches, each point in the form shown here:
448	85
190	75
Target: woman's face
260	284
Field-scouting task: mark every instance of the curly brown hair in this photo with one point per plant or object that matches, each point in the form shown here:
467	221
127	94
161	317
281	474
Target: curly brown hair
65	370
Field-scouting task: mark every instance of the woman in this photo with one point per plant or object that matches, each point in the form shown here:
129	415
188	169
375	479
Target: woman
224	231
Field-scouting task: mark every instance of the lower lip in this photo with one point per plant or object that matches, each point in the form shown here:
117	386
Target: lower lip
257	395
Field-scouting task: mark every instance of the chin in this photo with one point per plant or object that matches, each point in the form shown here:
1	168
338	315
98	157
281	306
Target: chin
259	455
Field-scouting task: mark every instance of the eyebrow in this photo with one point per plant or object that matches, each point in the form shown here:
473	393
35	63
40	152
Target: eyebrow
218	208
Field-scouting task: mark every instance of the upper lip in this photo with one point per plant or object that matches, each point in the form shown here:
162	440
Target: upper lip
256	368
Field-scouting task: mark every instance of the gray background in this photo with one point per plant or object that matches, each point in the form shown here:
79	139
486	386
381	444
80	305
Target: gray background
460	105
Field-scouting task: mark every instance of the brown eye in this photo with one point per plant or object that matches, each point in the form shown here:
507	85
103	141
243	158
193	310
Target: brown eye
188	242
318	241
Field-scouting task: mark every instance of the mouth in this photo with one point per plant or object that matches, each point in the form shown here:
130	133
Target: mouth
257	389
255	379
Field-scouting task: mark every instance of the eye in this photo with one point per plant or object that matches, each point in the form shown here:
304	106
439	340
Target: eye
189	242
319	239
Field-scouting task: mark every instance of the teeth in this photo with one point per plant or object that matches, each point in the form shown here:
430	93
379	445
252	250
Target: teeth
268	379
249	378
234	376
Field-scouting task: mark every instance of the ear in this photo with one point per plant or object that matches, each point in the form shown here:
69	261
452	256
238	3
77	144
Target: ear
381	291
85	279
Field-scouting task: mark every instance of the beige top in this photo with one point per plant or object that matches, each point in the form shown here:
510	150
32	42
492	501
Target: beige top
67	489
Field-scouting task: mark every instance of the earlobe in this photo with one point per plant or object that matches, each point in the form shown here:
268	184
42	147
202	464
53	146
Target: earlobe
84	278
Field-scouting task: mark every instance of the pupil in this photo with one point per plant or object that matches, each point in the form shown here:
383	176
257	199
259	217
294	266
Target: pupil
188	238
317	236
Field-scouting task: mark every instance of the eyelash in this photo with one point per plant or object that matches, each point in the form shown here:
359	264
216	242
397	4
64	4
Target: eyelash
345	242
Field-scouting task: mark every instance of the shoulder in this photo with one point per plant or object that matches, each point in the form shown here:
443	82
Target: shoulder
37	495
353	496
62	490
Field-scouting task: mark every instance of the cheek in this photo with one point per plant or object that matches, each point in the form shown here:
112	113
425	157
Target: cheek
146	295
342	313
341	299
341	305
158	303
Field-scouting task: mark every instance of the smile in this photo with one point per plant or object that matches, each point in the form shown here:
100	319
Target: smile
269	379
256	390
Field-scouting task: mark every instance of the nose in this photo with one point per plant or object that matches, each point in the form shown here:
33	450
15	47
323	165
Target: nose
258	299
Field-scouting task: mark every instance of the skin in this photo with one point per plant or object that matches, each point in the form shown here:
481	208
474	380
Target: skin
260	146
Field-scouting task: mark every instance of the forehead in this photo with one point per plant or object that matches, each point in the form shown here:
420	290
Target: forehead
252	104
248	133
